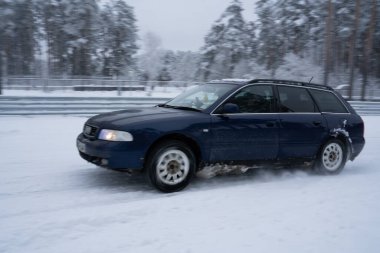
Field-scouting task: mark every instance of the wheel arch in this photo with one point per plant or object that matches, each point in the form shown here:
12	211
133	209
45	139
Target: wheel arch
193	145
341	135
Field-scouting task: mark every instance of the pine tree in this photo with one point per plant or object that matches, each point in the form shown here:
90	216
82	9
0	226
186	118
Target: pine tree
251	40
105	55
352	51
329	33
81	28
20	37
376	45
54	16
296	22
119	38
271	47
6	32
368	47
164	74
125	35
150	60
225	44
184	66
70	30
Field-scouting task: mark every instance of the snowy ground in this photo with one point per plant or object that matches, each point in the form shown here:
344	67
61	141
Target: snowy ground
53	201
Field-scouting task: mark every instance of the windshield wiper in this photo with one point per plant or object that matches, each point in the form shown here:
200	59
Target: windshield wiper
179	107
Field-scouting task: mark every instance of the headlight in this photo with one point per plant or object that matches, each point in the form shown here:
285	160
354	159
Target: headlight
113	135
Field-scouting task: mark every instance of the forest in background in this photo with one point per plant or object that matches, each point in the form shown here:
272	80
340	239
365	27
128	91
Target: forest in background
334	41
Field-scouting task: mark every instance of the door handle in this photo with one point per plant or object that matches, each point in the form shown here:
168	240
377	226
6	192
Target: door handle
317	123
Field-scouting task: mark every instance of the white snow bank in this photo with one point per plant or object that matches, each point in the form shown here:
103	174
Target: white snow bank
164	92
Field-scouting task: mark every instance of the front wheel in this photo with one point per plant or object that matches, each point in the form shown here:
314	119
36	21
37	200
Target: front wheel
170	166
332	158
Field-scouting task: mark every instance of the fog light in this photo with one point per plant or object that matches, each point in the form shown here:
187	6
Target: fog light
104	162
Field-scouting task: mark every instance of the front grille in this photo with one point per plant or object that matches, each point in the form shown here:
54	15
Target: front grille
91	159
90	131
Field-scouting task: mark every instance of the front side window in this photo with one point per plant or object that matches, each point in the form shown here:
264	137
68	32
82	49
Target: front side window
254	99
295	99
328	102
201	96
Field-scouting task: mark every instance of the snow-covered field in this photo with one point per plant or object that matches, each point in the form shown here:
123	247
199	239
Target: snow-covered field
53	201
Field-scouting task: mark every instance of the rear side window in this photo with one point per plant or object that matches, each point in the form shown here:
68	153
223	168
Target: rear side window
254	99
294	99
328	102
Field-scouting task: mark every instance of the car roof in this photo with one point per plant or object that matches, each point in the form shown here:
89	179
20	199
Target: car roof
242	82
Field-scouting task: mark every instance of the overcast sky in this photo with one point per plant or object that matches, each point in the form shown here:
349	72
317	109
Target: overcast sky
182	24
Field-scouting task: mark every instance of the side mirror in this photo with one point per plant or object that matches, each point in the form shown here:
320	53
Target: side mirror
230	108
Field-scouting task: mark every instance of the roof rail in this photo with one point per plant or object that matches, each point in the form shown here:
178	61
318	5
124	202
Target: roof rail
229	80
290	82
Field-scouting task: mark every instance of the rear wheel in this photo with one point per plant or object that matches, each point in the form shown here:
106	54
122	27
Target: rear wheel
170	166
332	158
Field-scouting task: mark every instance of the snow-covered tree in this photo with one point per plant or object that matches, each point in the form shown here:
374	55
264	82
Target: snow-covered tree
225	44
184	66
150	61
271	48
369	39
321	30
6	32
81	29
54	16
19	42
251	40
90	37
105	48
119	37
124	37
70	31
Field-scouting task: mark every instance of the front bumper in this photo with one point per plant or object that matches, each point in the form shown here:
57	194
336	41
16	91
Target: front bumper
112	155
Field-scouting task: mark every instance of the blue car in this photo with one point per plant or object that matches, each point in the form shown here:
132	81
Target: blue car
248	123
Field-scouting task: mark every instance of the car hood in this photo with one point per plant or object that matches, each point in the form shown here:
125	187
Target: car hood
119	119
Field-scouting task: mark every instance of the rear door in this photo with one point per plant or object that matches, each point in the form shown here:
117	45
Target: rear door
302	126
250	134
339	117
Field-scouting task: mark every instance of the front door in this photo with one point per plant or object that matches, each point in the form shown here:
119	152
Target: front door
251	133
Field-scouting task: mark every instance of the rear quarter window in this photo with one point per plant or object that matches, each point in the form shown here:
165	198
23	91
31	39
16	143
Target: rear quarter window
328	102
294	99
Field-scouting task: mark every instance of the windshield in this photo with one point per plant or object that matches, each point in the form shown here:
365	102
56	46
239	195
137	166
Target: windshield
200	97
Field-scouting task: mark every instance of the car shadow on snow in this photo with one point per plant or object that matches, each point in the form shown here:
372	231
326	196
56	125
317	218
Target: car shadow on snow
115	180
111	180
251	176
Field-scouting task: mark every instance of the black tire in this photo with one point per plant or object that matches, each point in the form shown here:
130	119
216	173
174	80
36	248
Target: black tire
331	158
170	166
